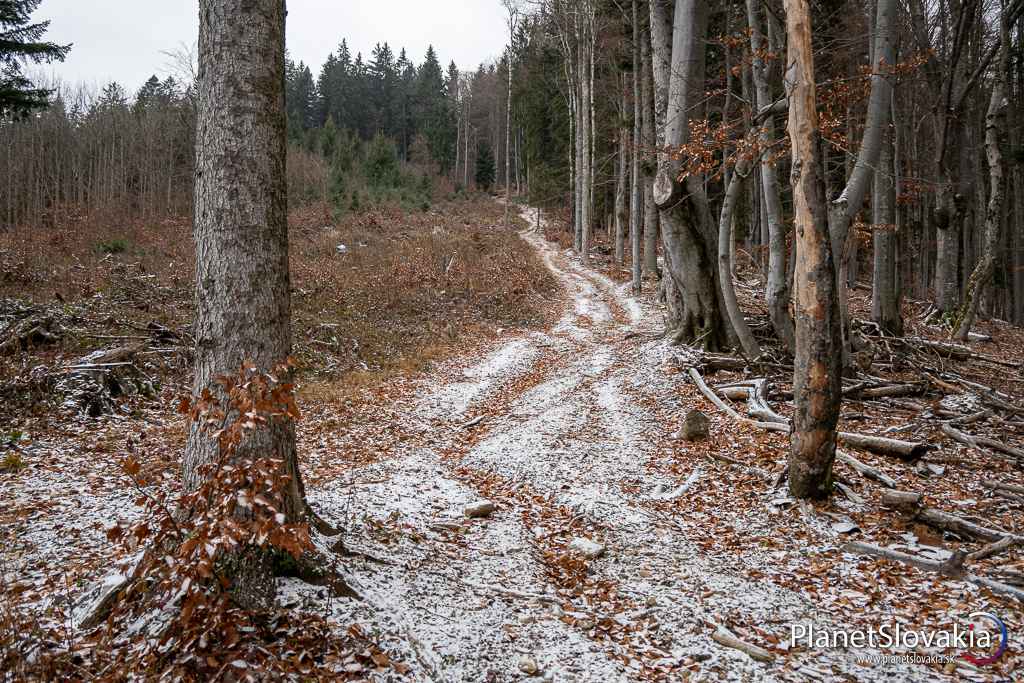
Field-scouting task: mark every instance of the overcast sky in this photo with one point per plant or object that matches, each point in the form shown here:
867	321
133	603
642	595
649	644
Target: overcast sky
122	39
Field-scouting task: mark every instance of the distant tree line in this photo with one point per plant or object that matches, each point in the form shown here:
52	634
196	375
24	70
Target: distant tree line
361	131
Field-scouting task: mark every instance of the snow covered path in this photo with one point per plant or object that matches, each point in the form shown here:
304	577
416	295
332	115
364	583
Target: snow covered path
555	428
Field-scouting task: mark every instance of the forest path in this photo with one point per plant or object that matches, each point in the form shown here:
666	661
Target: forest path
557	428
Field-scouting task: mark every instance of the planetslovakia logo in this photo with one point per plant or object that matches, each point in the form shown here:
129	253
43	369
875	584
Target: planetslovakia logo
1004	639
982	642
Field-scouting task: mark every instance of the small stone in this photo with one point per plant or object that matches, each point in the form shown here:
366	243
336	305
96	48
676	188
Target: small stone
652	601
527	619
480	508
528	665
696	426
845	527
587	548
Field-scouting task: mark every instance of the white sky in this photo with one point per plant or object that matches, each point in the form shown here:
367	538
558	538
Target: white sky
122	39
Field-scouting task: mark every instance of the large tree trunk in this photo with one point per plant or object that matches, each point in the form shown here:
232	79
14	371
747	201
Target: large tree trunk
885	290
635	194
508	113
647	169
243	308
845	207
816	376
994	210
751	349
585	122
621	205
688	232
777	286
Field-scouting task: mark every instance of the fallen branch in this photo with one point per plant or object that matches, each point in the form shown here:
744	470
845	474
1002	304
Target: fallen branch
911	504
1003	486
904	450
892	390
907	451
993	548
952	568
757	471
978	441
474	422
728	410
681	490
865	470
724	637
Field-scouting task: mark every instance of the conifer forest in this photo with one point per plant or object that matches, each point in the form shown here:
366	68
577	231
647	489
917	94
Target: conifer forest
511	340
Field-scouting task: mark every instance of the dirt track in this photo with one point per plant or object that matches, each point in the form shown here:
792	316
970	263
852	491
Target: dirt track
565	449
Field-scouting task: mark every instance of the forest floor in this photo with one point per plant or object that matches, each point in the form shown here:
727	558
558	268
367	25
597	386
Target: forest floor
614	550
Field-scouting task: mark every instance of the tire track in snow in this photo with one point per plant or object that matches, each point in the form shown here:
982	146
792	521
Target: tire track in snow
563	426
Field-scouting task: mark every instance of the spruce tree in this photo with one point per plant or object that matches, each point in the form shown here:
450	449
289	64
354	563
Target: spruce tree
434	116
21	42
484	167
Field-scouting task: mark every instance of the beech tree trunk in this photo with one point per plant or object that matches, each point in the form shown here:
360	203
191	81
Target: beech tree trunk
243	306
777	286
885	291
848	204
585	123
635	194
994	210
816	376
621	205
508	112
647	169
751	349
688	231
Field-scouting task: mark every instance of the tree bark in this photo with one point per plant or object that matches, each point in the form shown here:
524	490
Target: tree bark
508	111
243	306
751	349
688	233
636	194
994	210
621	205
885	294
848	204
647	137
816	376
777	286
585	122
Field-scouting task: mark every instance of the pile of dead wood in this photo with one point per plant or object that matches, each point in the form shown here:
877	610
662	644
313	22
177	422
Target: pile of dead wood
754	393
92	384
23	328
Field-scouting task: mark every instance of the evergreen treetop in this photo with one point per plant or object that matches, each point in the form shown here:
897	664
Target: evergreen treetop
20	43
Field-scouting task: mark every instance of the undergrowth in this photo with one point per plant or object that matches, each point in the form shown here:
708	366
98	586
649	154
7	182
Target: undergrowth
179	612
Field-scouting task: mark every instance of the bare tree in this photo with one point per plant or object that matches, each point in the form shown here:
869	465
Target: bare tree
688	232
650	211
621	178
994	123
816	376
885	293
848	204
777	285
243	305
635	194
510	7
